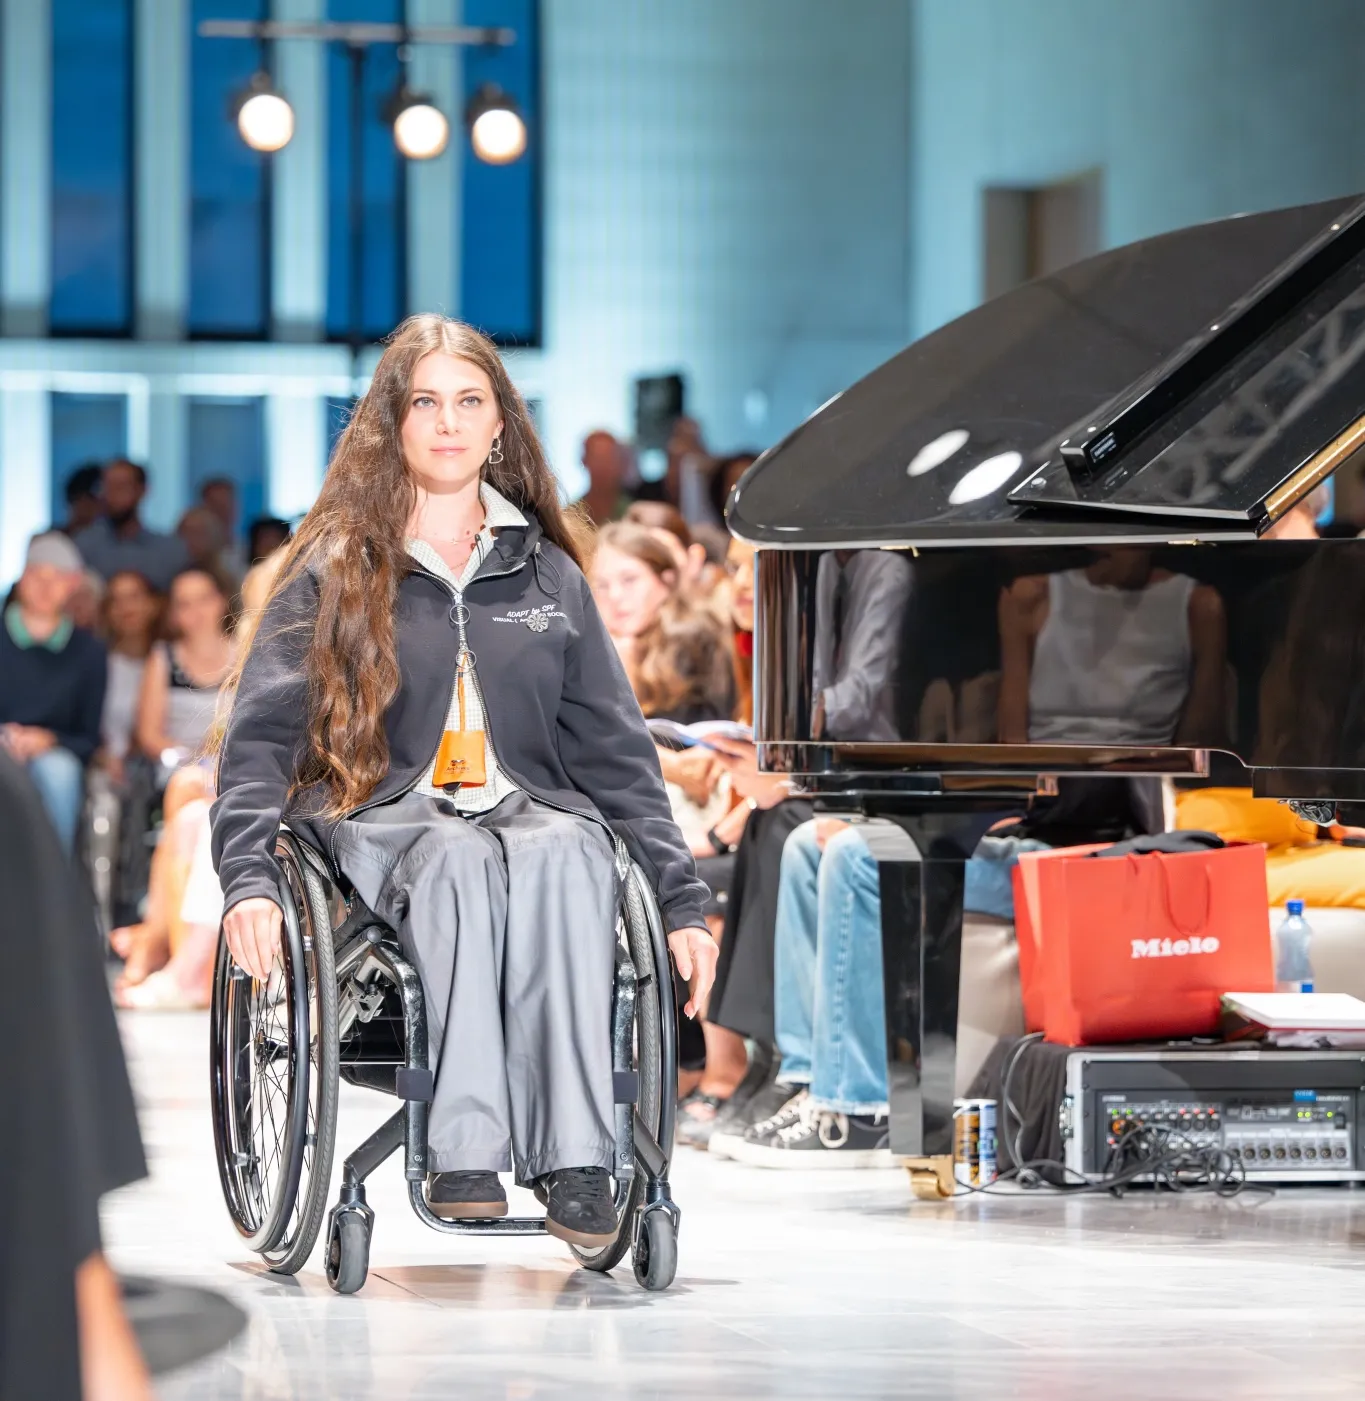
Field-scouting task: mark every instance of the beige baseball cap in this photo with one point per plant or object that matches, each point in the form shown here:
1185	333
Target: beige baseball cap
54	549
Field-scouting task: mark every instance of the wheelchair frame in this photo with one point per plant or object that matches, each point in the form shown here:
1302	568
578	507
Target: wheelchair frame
357	958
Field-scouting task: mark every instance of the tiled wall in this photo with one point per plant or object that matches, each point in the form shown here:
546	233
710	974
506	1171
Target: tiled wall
727	195
1194	110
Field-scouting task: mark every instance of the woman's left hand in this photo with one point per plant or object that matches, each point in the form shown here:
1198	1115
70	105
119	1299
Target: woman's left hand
695	952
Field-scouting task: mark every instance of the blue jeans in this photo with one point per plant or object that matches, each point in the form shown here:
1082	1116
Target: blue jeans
59	778
830	1012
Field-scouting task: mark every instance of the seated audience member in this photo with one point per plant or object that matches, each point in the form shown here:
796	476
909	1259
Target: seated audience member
219	496
70	1129
750	836
188	897
52	681
675	656
180	686
673	653
266	535
87	602
668	524
607	461
1300	521
201	533
118	539
83	503
176	710
830	1009
131	616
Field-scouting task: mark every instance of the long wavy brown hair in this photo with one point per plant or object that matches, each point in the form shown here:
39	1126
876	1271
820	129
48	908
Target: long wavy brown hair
679	660
353	541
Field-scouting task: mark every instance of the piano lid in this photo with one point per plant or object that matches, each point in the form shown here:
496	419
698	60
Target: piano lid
932	447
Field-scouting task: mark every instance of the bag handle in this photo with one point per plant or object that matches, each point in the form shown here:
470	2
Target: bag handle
1173	896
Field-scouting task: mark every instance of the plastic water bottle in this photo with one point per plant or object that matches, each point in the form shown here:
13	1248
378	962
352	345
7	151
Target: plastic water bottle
1293	968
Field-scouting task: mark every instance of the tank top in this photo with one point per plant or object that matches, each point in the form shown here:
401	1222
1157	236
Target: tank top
189	708
1111	666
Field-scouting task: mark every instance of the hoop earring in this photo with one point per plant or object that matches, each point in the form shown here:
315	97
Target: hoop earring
495	454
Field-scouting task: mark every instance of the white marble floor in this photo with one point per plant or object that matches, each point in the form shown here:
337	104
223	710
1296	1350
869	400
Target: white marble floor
815	1285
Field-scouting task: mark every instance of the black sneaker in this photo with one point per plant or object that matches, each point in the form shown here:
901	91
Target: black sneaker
578	1206
821	1138
784	1104
466	1196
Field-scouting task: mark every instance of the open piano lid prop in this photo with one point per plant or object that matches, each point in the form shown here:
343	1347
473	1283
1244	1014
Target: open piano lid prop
1197	383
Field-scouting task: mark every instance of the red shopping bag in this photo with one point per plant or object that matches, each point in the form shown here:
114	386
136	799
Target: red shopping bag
1135	947
1027	879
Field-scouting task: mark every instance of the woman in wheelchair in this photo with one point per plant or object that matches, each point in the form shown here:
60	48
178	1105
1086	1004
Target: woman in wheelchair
432	700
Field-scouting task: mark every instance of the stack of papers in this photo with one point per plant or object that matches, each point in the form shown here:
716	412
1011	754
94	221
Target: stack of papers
675	736
1296	1019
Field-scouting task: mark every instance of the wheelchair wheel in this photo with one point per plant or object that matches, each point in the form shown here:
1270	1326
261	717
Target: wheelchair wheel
655	985
275	1076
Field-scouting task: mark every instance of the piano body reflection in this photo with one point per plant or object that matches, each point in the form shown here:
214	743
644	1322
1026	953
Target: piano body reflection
1041	542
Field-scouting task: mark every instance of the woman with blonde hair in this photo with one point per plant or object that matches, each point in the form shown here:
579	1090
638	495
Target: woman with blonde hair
431	699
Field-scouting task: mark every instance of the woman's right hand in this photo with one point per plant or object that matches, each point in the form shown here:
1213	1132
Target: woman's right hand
252	928
695	771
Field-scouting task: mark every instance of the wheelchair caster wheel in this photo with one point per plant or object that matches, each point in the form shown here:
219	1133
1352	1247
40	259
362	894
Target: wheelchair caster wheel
348	1249
656	1250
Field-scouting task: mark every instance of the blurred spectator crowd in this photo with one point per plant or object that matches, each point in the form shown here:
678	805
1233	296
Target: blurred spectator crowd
118	643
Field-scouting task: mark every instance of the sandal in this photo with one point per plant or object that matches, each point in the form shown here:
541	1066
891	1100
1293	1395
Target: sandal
158	992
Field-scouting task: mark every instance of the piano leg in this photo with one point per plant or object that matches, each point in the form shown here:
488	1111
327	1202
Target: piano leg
922	867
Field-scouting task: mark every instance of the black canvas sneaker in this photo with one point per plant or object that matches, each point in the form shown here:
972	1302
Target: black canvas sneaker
466	1196
786	1111
578	1206
822	1138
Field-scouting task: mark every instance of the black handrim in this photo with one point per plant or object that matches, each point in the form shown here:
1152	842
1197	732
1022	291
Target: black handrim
654	1088
297	1220
261	1088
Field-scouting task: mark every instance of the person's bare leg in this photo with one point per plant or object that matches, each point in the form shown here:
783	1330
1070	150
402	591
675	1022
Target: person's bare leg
156	939
112	1368
727	1060
185	786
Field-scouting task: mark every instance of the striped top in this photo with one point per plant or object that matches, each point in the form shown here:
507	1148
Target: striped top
498	512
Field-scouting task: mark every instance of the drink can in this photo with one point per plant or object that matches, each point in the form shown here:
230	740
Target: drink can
975	1163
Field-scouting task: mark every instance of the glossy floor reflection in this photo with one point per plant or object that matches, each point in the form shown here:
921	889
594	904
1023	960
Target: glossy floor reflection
812	1285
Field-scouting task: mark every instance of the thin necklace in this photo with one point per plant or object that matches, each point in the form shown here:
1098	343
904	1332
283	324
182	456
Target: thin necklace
461	539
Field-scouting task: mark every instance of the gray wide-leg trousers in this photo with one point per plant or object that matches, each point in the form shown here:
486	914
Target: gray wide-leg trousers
510	918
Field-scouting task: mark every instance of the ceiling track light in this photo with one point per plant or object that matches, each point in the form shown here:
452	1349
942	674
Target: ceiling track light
420	129
497	130
264	119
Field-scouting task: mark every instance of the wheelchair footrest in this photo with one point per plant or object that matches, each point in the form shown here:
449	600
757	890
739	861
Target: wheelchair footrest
625	1086
414	1084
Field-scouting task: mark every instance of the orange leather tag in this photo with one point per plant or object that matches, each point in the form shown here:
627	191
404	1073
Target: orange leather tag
459	760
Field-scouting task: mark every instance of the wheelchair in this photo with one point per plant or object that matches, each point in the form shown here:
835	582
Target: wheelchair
344	1003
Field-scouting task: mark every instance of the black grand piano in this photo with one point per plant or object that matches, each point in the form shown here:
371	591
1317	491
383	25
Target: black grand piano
1041	543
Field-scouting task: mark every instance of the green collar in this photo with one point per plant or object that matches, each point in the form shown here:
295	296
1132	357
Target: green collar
14	623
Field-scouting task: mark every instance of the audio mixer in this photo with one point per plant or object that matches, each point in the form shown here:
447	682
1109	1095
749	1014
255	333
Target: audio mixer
1286	1116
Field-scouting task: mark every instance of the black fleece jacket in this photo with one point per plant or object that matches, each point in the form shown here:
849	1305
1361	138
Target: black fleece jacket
562	717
